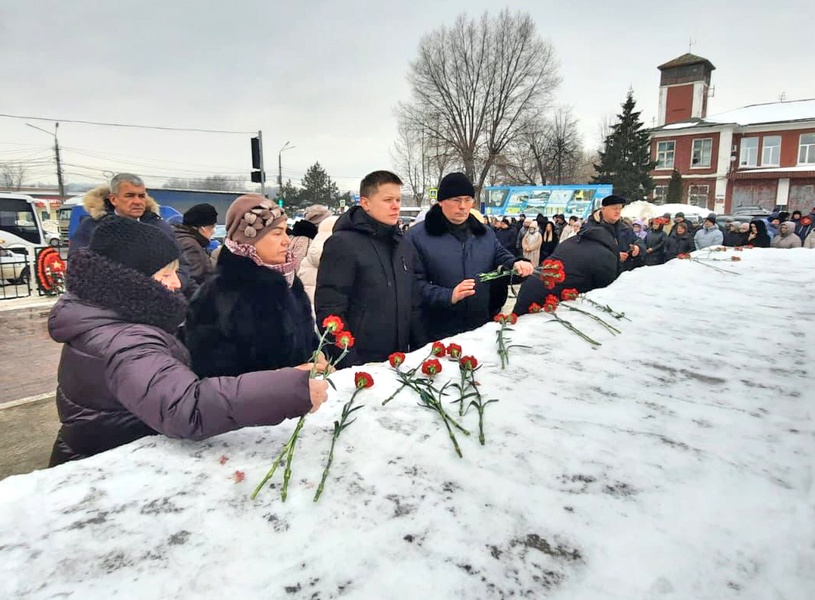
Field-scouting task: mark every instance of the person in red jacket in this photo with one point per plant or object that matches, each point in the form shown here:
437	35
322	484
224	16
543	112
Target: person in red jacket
123	373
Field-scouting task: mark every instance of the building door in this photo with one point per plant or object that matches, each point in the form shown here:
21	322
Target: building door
754	193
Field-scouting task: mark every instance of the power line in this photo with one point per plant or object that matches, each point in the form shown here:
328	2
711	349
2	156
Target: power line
126	125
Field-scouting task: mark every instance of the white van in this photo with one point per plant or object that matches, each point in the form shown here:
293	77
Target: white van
20	224
21	233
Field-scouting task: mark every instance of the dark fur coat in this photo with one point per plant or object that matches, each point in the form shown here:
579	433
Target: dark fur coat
246	318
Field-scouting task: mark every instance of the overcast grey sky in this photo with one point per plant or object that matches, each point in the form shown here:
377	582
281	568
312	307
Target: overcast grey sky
326	75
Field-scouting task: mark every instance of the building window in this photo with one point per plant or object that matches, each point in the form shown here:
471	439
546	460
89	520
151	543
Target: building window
749	152
665	155
698	195
806	149
700	156
771	151
660	194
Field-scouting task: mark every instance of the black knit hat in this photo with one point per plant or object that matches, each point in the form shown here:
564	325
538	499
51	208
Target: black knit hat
454	185
612	200
201	215
143	248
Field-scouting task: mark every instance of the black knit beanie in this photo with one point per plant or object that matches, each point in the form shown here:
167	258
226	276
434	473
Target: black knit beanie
200	215
143	248
454	185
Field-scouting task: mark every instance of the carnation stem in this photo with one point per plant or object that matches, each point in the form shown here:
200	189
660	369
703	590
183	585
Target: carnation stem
287	473
328	463
279	459
605	308
595	317
392	396
338	427
571	327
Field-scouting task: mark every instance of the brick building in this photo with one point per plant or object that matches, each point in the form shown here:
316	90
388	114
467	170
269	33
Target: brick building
757	155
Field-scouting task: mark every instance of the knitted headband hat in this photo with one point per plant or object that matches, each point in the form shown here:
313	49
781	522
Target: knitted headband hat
250	217
143	248
316	214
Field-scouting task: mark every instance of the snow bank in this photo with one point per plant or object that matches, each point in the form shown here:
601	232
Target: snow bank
673	462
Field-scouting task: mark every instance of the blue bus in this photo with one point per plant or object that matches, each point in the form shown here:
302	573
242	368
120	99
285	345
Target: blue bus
547	200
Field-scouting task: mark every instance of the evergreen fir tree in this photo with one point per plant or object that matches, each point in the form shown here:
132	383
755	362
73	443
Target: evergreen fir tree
318	187
674	195
625	162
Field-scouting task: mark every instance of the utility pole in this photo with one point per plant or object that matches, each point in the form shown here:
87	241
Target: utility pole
56	153
262	170
59	165
280	167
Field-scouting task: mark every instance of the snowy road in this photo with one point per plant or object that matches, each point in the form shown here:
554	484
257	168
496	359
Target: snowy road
673	462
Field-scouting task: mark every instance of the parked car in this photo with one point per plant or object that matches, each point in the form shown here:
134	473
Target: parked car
721	220
13	267
753	211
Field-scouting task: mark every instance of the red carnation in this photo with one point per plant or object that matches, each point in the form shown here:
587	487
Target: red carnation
552	273
363	380
512	318
550	305
499	318
535	308
431	367
333	323
344	339
454	350
468	363
238	476
683	256
569	294
396	359
438	349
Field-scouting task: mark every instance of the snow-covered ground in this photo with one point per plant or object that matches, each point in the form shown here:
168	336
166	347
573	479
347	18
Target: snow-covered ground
673	462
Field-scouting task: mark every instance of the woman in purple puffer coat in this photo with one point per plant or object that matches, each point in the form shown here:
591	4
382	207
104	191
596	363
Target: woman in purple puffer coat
123	373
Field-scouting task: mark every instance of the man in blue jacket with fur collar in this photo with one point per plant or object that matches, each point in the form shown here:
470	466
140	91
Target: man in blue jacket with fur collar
452	247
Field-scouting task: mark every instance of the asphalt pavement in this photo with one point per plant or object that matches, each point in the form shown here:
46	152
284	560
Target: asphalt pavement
28	380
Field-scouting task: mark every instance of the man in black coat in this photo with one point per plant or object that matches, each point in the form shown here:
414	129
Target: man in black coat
452	248
366	275
591	259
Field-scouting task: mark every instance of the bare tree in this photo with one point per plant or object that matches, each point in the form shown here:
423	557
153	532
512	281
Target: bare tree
408	155
217	183
546	151
476	84
604	128
563	146
12	175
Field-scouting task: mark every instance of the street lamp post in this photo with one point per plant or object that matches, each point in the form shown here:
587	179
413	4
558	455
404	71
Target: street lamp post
56	154
280	167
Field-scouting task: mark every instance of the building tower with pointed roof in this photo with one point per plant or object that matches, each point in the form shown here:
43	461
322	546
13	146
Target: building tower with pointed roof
683	89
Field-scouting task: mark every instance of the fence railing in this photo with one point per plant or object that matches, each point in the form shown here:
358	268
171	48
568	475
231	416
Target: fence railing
31	271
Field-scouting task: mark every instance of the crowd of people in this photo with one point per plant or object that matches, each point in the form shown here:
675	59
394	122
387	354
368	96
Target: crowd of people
161	337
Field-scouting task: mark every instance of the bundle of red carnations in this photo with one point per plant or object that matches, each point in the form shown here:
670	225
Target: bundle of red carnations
333	328
429	396
503	338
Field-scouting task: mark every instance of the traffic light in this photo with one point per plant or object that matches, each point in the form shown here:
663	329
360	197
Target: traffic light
256	153
280	202
257	176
